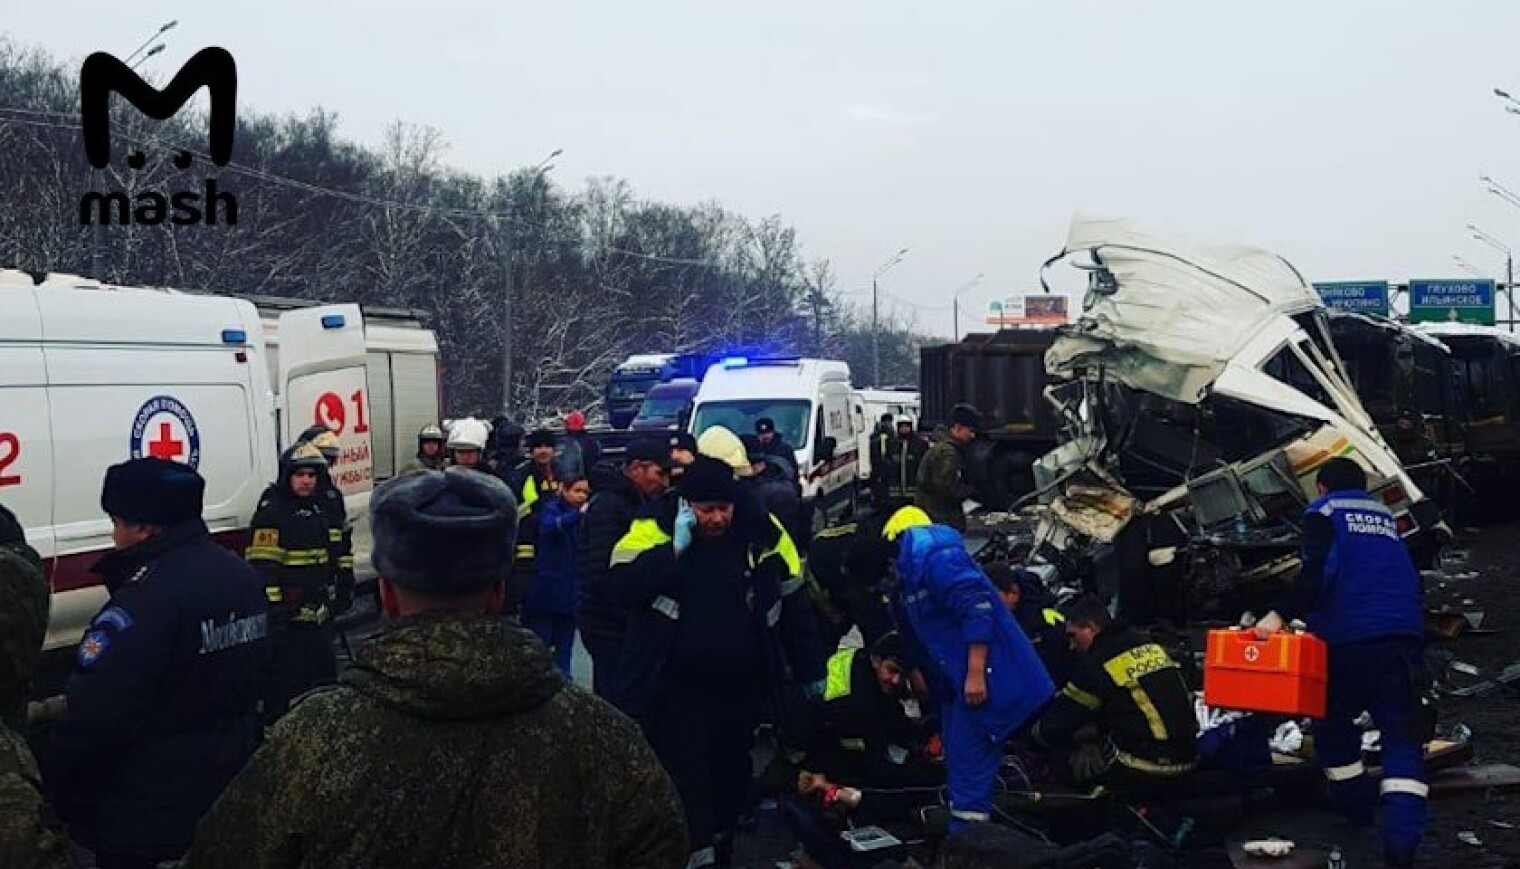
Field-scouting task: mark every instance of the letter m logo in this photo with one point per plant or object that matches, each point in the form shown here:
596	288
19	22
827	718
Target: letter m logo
102	74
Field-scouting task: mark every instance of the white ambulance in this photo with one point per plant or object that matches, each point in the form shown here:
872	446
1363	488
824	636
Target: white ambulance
93	374
809	401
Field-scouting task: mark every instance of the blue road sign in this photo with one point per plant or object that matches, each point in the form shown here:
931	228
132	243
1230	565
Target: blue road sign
1463	300
1364	297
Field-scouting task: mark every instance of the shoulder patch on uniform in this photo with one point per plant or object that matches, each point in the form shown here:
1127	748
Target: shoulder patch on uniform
112	617
266	537
92	647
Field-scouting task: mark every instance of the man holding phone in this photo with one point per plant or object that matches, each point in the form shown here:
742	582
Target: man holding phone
716	620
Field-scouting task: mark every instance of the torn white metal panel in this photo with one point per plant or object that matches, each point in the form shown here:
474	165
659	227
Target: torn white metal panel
1178	314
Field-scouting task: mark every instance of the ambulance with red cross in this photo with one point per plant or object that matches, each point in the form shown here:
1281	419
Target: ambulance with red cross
93	374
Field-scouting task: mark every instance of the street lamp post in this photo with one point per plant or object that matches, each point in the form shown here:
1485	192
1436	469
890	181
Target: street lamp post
508	228
1509	267
165	28
875	305
955	304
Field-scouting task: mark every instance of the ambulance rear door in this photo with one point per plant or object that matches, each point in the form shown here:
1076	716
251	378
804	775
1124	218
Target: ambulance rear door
322	381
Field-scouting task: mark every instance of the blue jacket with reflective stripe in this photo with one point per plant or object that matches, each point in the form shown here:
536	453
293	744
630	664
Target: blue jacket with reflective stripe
1358	581
952	605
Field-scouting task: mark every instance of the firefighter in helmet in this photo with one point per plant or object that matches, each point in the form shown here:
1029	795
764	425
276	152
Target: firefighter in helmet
430	450
340	534
290	551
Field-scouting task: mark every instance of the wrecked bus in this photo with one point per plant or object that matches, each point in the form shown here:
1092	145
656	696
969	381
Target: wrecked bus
1200	393
1407	382
1486	367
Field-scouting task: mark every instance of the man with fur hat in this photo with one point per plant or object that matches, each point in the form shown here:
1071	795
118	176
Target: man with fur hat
161	704
942	481
290	551
716	620
340	532
453	740
30	837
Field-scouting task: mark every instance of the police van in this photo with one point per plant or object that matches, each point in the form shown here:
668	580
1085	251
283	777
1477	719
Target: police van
93	374
809	401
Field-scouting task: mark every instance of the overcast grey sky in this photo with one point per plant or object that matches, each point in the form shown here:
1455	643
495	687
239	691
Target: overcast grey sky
1347	136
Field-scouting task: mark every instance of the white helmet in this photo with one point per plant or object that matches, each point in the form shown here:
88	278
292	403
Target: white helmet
719	443
903	419
468	434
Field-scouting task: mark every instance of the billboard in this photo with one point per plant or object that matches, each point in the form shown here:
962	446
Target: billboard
1463	300
1363	297
1041	310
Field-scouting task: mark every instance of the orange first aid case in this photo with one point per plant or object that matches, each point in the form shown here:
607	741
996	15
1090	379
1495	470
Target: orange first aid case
1284	674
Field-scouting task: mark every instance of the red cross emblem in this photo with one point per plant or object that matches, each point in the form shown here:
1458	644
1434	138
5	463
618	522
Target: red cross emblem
165	447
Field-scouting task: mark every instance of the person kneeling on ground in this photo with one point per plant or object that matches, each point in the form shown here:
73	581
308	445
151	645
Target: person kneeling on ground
452	741
1129	695
1035	611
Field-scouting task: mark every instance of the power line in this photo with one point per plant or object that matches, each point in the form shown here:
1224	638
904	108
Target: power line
265	175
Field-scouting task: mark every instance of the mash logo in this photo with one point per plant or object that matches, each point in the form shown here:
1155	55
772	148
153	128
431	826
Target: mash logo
165	429
102	75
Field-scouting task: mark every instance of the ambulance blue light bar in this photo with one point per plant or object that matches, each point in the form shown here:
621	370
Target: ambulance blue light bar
234	336
754	362
332	321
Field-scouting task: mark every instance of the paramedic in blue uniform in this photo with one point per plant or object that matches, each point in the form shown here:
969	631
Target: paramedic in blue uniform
161	703
982	669
1359	591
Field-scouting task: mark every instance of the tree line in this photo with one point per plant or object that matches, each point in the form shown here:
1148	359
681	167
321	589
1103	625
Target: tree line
595	273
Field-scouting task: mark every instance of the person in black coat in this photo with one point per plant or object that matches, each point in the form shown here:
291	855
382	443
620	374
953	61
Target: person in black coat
717	622
616	497
161	703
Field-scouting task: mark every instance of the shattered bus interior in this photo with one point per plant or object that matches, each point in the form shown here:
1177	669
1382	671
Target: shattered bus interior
1201	392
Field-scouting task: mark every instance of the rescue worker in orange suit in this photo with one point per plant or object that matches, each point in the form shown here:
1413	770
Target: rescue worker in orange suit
1128	694
1035	611
340	536
534	482
716	621
290	552
1359	591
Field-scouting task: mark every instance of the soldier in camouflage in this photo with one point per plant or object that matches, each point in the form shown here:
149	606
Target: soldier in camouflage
942	481
453	740
30	836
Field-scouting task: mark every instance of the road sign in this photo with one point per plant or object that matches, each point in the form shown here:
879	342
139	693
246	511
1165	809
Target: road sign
1363	297
1464	300
1041	310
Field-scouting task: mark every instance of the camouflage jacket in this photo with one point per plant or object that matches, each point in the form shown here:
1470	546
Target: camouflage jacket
451	742
942	484
24	602
30	837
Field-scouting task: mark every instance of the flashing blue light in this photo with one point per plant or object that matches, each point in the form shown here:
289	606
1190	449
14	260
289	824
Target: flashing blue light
735	362
332	321
234	336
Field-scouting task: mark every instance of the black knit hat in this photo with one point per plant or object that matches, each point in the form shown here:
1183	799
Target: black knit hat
649	450
708	481
765	425
540	438
152	492
443	532
966	415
